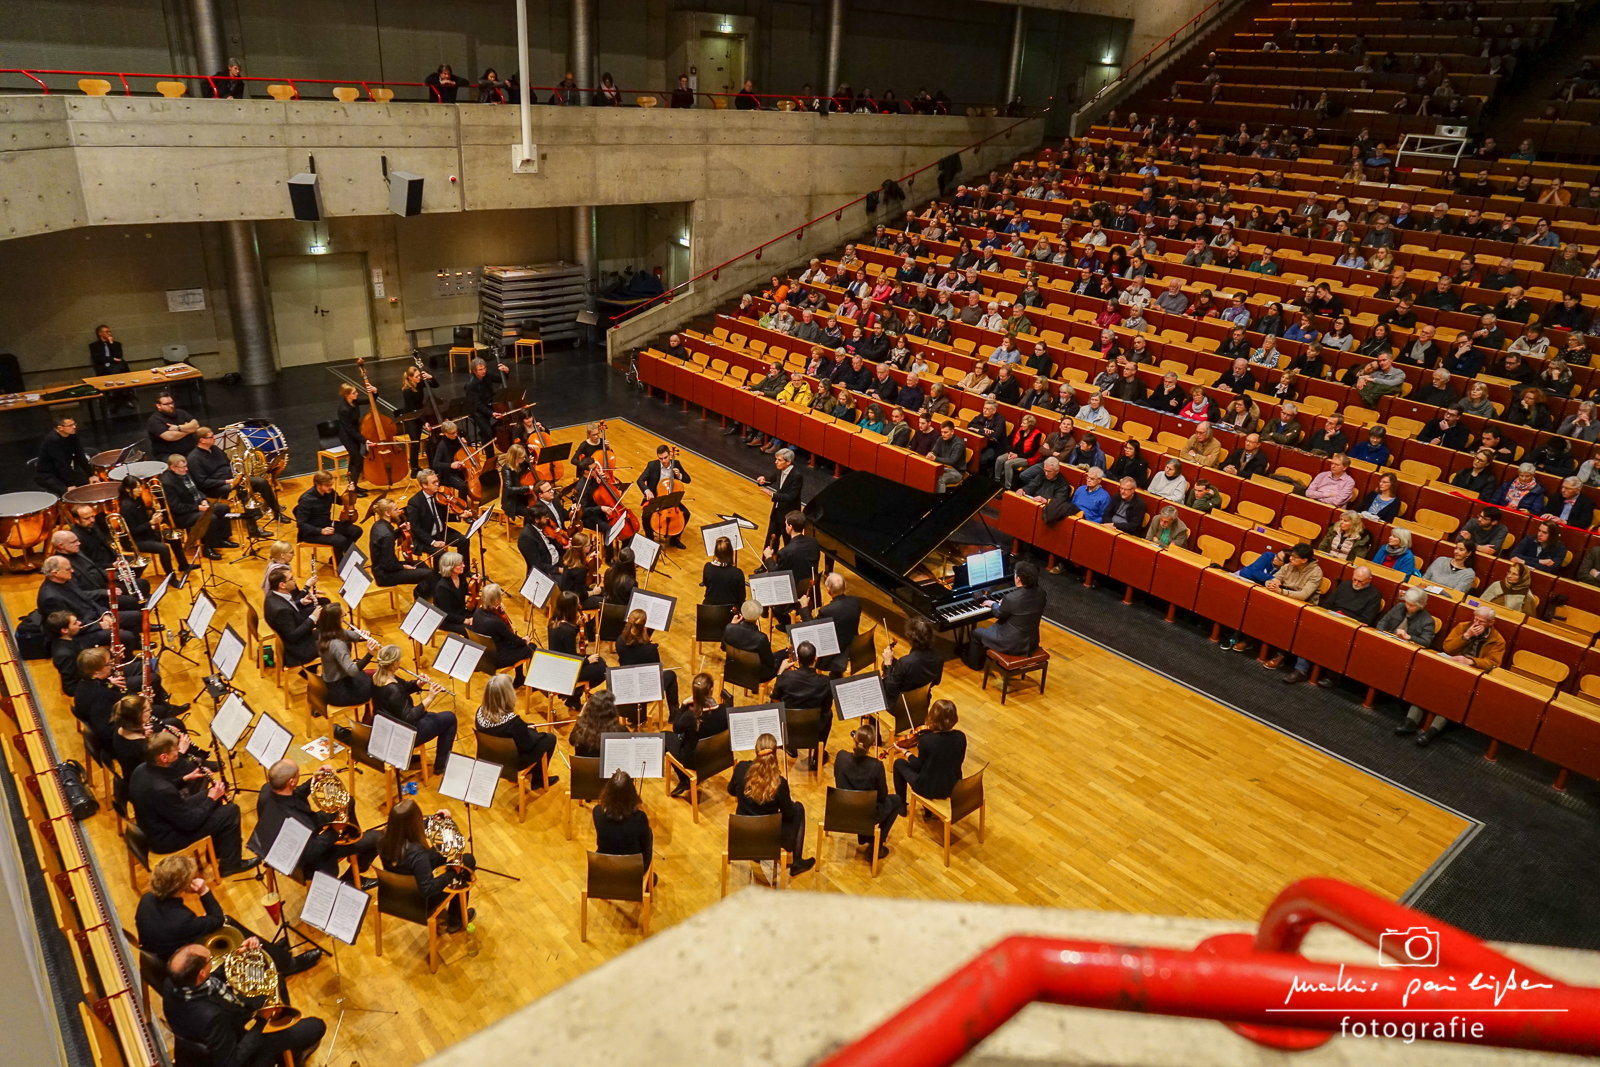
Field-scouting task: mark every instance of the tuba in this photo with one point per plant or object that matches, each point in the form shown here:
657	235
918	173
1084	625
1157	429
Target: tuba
445	837
329	796
245	463
251	975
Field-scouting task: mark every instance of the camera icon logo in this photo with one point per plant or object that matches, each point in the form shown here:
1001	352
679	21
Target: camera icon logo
1417	946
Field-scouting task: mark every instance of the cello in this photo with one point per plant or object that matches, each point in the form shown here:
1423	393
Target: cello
608	495
668	522
386	463
539	438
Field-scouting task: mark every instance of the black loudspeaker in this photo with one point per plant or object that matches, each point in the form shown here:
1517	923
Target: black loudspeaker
305	194
405	193
463	337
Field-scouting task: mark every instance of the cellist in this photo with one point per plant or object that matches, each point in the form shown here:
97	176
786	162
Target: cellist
348	425
655	473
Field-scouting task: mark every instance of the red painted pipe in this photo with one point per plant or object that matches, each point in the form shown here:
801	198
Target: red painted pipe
1276	997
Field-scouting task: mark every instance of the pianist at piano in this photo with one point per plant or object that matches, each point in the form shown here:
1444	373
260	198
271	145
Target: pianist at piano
1017	614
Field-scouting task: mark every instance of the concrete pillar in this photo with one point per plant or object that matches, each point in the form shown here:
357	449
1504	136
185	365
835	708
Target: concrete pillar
210	43
247	303
583	244
1014	62
581	52
835	46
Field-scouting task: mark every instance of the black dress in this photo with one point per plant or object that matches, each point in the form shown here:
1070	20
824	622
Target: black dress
627	837
793	812
532	745
724	585
865	774
451	599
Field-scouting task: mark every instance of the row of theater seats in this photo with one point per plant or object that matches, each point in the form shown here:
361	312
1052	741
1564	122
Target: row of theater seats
111	1009
1547	704
1572	129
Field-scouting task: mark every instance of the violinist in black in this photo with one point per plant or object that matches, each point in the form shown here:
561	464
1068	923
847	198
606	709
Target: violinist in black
388	569
429	518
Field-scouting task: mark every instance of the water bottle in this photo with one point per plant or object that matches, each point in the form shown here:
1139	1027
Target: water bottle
266	655
472	939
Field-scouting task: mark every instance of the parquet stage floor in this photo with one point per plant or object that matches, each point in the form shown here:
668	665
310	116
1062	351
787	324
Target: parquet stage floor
1118	788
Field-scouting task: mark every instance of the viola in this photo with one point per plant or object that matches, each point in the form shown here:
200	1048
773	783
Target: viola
347	501
453	503
474	591
405	543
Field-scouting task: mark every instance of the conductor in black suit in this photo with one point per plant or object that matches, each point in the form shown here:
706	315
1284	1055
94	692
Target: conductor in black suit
744	633
1019	612
105	353
845	611
293	619
784	487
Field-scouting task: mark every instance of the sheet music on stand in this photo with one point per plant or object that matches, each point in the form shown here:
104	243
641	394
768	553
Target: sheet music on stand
421	621
730	530
157	594
458	657
772	590
823	635
858	695
657	608
268	741
480	521
231	720
470	780
551	672
200	615
354	559
356	584
744	523
635	685
537	587
641	755
392	741
614	531
229	651
645	551
746	725
290	845
334	907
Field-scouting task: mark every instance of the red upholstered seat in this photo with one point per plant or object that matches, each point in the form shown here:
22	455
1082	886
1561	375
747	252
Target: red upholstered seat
1439	684
1508	707
1057	538
1091	546
1569	737
1325	638
1019	516
787	423
1380	660
1133	562
892	463
1176	578
743	402
836	438
1222	598
763	414
922	473
811	435
650	369
1271	617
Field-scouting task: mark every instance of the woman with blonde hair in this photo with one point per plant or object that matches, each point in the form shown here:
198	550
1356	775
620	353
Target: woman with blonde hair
513	464
281	554
761	789
394	696
575	574
497	717
449	593
510	649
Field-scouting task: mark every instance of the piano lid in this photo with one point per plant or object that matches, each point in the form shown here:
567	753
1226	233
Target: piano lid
891	524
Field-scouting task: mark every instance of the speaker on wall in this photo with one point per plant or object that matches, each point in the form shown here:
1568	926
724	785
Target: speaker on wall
305	196
405	193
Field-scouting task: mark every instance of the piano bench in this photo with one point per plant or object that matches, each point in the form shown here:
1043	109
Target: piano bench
1011	668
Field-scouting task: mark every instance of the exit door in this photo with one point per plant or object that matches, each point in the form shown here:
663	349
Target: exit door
320	309
721	62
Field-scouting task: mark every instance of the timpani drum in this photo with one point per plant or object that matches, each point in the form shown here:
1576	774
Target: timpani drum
96	493
26	521
143	470
102	462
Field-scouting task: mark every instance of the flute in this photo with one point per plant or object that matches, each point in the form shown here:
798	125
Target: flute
427	680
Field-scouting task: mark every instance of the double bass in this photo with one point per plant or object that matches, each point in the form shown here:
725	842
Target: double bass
668	522
386	462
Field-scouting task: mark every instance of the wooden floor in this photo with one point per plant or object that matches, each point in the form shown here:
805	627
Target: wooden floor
1118	789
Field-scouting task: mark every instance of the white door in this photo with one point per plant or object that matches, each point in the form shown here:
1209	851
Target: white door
320	309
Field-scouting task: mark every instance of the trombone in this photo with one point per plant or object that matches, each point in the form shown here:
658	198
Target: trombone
123	539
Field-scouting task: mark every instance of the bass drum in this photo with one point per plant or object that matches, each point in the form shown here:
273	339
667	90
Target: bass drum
267	439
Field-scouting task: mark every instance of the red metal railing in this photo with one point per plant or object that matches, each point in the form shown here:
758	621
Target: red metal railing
1258	985
837	214
1167	42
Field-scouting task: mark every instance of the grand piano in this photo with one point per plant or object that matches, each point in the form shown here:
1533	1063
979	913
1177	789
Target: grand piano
882	530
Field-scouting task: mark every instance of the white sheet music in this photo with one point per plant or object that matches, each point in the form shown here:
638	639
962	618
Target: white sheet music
354	559
645	551
458	657
156	594
200	615
392	741
230	721
268	741
746	725
858	696
356	584
471	780
615	529
552	672
740	519
657	608
228	653
641	755
730	530
823	635
348	908
480	521
421	621
537	587
320	895
284	855
635	685
772	590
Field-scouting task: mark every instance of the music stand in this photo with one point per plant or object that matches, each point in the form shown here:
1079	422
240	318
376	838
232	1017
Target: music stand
473	783
330	903
553	454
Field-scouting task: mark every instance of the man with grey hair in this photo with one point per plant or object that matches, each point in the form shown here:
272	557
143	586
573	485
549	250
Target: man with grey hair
784	489
1475	643
1356	598
59	592
285	797
1172	301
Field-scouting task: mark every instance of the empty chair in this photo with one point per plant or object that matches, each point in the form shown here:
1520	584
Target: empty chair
759	839
620	878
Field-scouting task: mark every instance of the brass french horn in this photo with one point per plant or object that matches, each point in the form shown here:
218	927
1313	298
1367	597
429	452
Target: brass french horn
446	838
251	975
329	796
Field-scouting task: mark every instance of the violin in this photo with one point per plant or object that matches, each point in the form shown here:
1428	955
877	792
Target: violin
668	522
554	530
347	501
908	741
453	503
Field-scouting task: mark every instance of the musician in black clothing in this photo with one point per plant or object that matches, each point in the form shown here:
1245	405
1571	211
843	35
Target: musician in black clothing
105	353
415	399
94	581
651	481
212	471
314	521
283	796
165	924
562	636
187	505
592	443
170	429
175	805
800	555
200	1008
480	392
845	611
430	518
293	619
347	423
449	593
784	488
405	850
800	686
388	569
702	715
514	495
859	770
936	768
539	552
919	667
394	696
136	517
101	684
62	462
1018	614
510	649
724	582
744	633
59	592
449	461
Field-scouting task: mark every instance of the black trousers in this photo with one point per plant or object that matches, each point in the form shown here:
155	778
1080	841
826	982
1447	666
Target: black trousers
344	535
353	447
301	1039
158	548
347	692
403	576
222	826
217	532
323	854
